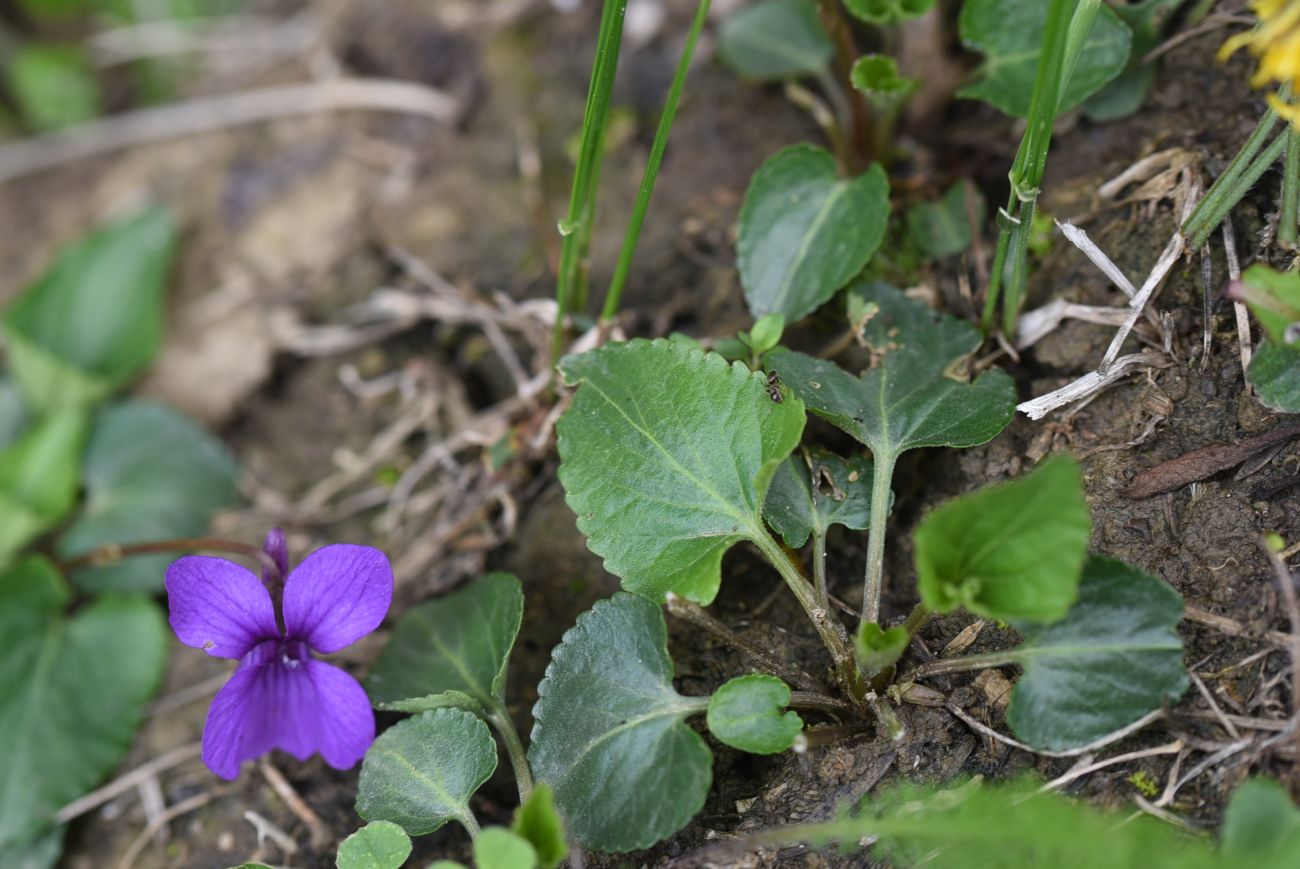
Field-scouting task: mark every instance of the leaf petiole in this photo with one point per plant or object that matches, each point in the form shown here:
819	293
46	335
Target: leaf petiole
883	475
499	717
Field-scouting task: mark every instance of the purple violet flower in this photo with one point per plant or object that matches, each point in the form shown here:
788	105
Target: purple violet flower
280	696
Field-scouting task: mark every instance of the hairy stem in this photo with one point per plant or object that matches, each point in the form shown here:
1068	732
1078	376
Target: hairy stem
500	718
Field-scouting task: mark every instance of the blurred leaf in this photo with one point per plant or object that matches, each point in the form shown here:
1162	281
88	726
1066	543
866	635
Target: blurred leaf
749	713
39	479
776	39
72	691
1275	374
54	85
609	735
805	231
1009	33
421	772
1114	657
459	643
498	848
1274	299
1124	96
1261	826
94	320
813	491
877	648
13	413
377	845
766	333
538	821
943	228
1011	551
876	76
151	474
887	12
665	456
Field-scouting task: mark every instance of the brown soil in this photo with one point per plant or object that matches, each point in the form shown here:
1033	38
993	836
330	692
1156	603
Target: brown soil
290	223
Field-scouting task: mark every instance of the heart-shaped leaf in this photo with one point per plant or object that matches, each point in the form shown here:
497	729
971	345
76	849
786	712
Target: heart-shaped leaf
537	820
1114	657
1275	374
150	474
39	477
421	772
94	320
1013	551
943	228
887	11
609	736
813	491
776	39
72	691
748	713
907	398
805	231
1009	33
877	648
665	456
458	645
377	845
498	848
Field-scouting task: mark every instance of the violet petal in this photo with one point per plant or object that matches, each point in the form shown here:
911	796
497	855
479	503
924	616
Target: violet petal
302	707
217	606
337	595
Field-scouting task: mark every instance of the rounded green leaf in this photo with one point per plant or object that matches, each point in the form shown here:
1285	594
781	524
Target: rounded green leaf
95	319
813	491
1013	551
458	643
1114	657
776	39
805	231
498	848
887	11
747	713
1009	33
911	397
40	476
609	736
1275	374
150	474
421	772
72	692
377	845
538	821
666	456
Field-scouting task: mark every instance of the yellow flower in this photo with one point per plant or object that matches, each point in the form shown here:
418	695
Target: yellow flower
1276	44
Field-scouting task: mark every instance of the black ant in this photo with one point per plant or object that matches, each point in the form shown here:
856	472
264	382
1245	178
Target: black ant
774	387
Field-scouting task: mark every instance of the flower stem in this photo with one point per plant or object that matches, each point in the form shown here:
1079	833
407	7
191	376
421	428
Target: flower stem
633	234
500	718
111	553
883	476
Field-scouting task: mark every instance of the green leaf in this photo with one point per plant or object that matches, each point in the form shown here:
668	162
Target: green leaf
877	648
538	821
746	713
908	398
665	456
39	852
39	479
805	231
1114	657
1275	374
421	772
54	85
876	76
1124	96
72	692
94	320
1013	551
1009	33
377	845
887	12
460	643
13	413
150	474
498	848
1274	299
776	39
1261	826
816	489
766	333
942	228
609	735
